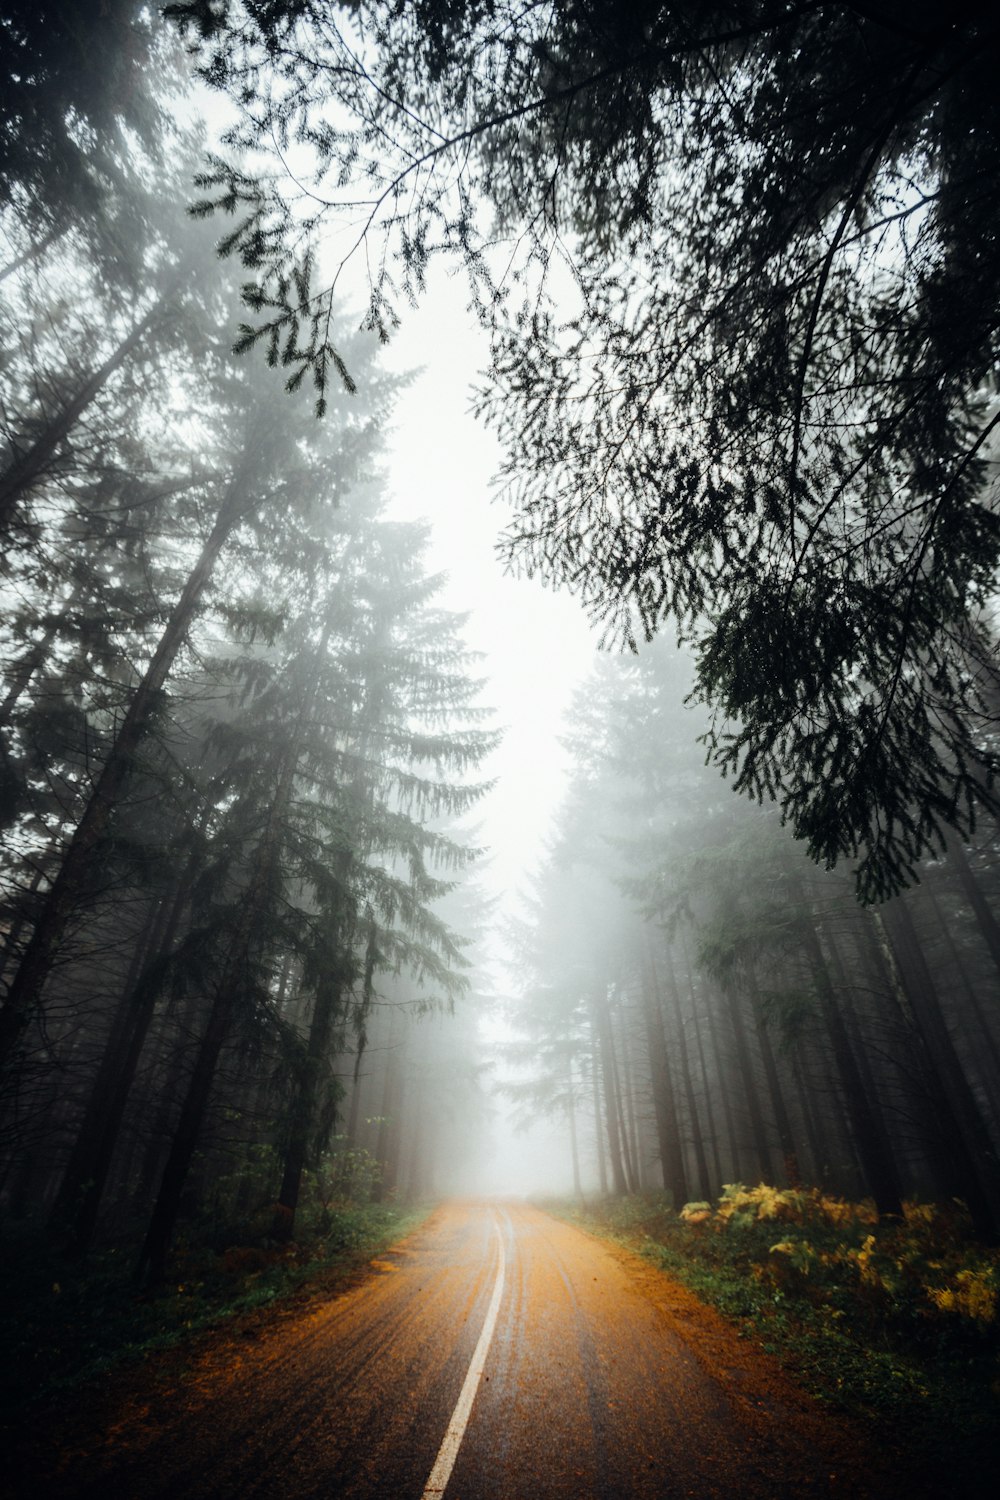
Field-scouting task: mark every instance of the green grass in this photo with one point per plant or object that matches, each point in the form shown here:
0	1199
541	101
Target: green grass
929	1387
61	1326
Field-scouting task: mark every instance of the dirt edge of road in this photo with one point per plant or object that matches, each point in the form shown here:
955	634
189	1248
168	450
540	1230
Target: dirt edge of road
127	1411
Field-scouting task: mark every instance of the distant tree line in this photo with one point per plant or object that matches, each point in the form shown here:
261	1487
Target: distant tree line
237	734
701	1005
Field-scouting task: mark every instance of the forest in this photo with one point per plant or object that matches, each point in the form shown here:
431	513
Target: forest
260	1007
240	738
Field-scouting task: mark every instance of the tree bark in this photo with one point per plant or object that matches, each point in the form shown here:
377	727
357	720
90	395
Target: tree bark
989	927
973	1153
156	1246
668	1134
748	1078
571	1121
79	1200
871	1140
701	1161
304	1108
70	882
602	1026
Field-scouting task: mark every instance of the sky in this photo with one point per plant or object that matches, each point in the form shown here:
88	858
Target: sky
536	644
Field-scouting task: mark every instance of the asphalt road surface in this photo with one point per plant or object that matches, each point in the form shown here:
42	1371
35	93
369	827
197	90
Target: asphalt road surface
496	1354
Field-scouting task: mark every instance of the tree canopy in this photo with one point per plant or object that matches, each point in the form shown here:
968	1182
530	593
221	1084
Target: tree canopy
739	264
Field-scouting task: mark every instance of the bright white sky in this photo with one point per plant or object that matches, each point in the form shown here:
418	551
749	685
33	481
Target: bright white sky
536	647
536	644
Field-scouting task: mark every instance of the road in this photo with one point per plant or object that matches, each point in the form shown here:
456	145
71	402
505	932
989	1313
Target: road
496	1354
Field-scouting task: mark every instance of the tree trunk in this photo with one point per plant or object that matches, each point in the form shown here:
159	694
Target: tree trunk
748	1078
990	1071
989	927
156	1246
304	1108
619	1096
70	882
713	1128
779	1110
86	1173
721	1070
571	1120
602	1166
28	467
701	1161
878	1163
973	1154
668	1135
602	1026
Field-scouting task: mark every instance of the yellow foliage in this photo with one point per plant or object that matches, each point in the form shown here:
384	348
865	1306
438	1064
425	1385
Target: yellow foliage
799	1254
791	1205
973	1295
919	1213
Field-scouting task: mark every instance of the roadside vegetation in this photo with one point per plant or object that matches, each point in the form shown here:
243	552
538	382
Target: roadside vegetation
895	1321
62	1324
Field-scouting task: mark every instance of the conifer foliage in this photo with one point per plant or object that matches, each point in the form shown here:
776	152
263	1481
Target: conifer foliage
739	261
239	738
705	1007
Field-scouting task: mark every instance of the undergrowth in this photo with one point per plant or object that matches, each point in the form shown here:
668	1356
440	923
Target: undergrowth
61	1325
895	1321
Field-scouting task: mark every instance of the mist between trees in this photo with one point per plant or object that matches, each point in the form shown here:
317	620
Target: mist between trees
701	1005
241	741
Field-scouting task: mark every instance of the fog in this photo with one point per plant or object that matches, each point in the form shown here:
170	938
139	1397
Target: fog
341	869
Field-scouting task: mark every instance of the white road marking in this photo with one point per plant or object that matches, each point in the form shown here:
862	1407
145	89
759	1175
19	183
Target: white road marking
448	1452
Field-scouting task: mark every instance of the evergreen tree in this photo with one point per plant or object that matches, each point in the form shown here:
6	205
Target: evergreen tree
767	411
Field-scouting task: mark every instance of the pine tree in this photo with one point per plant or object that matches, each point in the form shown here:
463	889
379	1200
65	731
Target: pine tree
765	410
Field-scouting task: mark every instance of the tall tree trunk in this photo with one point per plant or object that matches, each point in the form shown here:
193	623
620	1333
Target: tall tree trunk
602	1166
817	1150
622	1091
26	469
305	1106
707	1106
387	1147
878	1163
156	1246
991	1052
701	1161
779	1109
79	1200
574	1146
989	927
721	1070
631	1112
70	882
602	1025
972	1150
668	1135
748	1079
